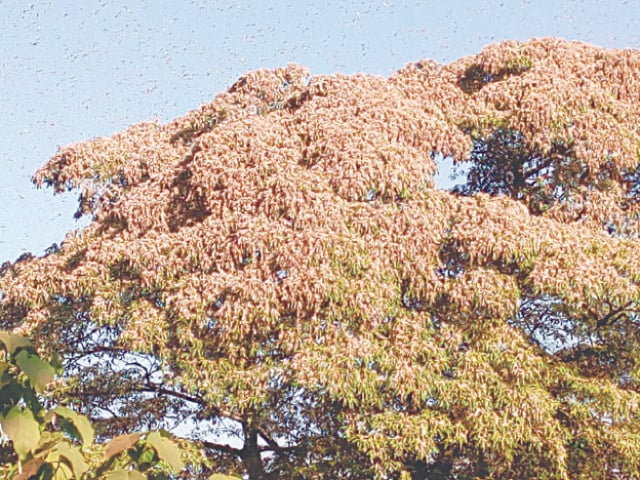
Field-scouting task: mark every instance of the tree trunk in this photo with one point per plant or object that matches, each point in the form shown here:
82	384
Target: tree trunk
482	468
250	455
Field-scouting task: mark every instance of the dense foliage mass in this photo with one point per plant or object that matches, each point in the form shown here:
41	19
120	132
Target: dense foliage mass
275	273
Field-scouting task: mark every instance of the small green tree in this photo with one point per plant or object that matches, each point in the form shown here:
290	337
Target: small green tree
58	443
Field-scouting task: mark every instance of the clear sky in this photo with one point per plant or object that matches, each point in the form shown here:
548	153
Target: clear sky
75	69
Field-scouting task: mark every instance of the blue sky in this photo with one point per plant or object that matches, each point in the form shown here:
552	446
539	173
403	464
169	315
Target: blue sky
73	70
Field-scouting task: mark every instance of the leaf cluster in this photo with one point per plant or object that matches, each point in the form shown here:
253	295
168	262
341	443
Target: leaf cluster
58	443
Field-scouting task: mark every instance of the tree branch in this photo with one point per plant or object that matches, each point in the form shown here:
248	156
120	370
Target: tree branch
613	316
153	388
219	447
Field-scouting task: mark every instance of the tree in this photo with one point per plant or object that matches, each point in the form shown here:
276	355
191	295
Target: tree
276	273
57	443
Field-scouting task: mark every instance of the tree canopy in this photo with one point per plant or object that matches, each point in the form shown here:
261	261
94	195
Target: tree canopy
275	278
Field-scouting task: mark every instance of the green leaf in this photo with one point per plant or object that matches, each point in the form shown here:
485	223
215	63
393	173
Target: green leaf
80	422
11	394
22	429
12	341
167	451
5	376
120	444
121	474
63	472
48	441
40	373
220	476
74	457
147	457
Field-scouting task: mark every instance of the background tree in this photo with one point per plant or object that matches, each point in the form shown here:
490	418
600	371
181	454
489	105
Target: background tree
276	273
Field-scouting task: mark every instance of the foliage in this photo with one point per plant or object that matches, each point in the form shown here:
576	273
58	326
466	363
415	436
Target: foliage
274	277
58	443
